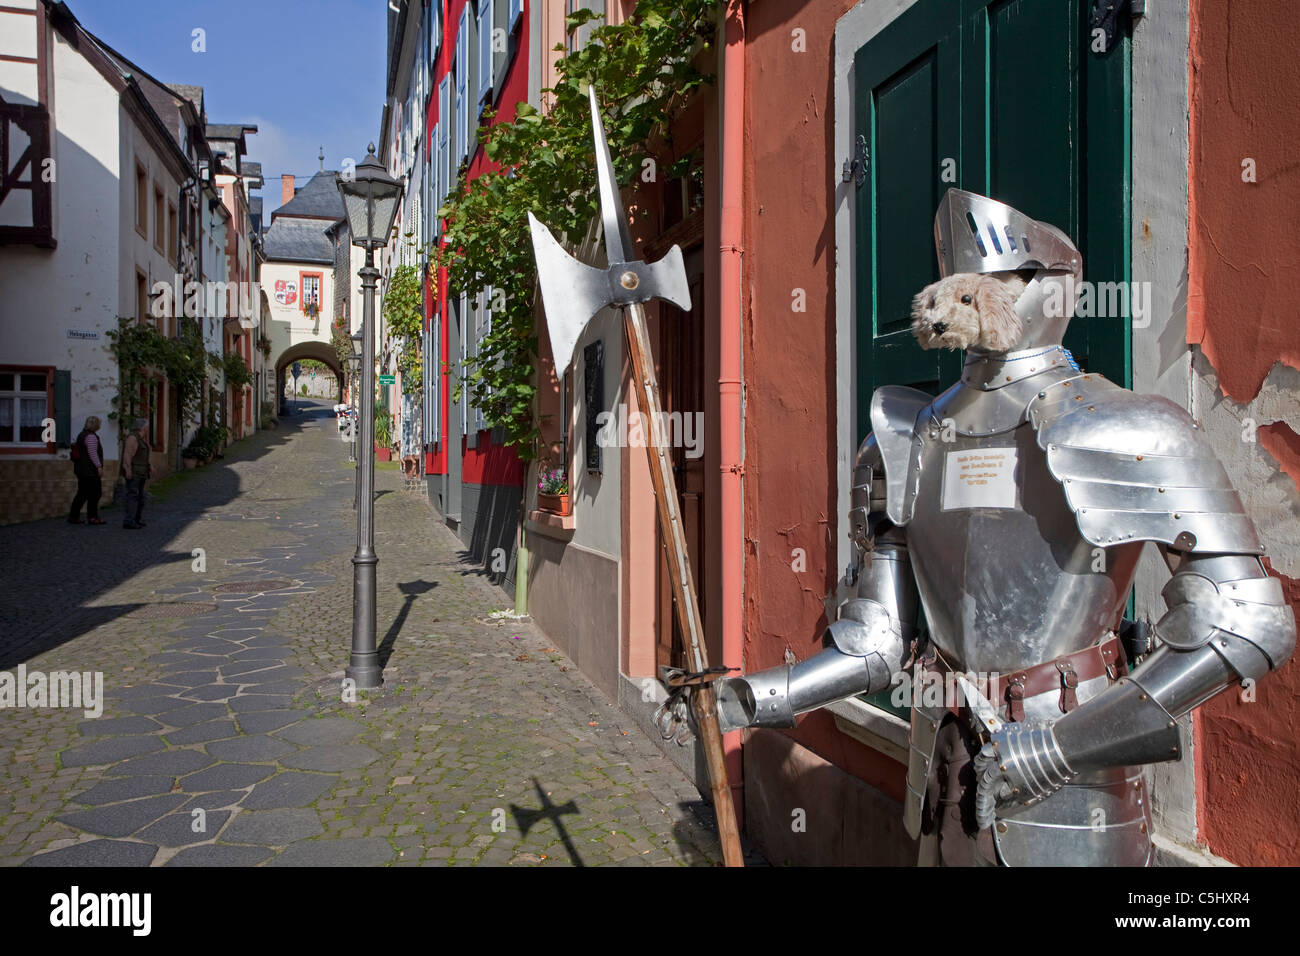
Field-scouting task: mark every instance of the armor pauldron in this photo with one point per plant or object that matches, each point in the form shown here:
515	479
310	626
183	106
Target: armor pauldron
1136	468
894	410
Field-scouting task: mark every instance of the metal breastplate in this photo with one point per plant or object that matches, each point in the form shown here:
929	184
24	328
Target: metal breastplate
1005	576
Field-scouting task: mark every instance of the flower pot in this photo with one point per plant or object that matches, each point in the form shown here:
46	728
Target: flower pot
557	504
383	454
190	463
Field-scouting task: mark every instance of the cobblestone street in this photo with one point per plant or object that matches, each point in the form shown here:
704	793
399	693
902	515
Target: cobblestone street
224	739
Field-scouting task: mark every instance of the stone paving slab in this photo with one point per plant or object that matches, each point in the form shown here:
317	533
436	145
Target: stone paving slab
226	738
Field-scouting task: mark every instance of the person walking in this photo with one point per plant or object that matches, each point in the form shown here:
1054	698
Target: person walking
88	466
136	470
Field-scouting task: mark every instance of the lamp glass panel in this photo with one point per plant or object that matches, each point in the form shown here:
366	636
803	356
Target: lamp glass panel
354	203
385	209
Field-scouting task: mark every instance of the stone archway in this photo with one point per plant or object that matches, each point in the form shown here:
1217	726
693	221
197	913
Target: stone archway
320	351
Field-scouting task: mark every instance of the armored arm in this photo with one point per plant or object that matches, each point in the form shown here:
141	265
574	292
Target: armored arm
868	641
1227	620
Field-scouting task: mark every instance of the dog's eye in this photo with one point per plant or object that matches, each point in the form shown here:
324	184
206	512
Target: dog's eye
965	300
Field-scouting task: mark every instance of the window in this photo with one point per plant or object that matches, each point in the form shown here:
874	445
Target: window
514	13
172	232
483	88
141	200
310	283
151	393
578	39
26	400
159	219
142	313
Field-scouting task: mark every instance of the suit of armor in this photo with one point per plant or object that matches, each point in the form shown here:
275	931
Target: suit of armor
1015	506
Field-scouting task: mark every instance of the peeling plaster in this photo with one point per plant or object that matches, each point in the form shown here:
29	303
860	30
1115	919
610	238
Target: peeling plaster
1241	434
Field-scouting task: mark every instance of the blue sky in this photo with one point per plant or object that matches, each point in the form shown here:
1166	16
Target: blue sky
306	73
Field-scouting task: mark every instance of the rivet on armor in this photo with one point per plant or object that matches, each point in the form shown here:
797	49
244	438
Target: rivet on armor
1008	378
1137	784
1143	826
629	280
1142	696
1139	457
1161	490
1092	408
1177	515
1078	398
1042	394
1002	827
772	691
1172	724
1087	378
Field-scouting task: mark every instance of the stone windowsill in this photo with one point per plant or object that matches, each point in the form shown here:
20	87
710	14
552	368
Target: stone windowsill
878	729
550	525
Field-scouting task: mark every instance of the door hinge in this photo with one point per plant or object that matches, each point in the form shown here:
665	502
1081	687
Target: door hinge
1108	15
855	169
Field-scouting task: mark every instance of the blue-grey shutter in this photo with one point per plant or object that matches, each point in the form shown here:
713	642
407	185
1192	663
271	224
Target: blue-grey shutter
444	132
483	88
462	87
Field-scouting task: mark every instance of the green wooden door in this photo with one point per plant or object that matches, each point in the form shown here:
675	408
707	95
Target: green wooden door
1004	98
1000	97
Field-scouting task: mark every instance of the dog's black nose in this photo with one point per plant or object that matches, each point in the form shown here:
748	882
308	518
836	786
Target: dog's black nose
939	328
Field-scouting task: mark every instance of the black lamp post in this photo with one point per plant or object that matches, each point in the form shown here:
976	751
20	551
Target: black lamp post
370	198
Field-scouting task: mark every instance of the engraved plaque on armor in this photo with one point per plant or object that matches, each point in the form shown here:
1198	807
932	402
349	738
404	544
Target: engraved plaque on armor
979	478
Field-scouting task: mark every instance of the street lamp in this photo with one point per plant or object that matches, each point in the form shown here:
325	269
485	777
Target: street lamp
370	198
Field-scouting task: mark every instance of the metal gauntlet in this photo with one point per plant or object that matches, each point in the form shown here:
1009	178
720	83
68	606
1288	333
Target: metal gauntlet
867	643
1227	623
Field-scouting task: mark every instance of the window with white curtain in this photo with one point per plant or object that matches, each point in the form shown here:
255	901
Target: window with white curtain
24	405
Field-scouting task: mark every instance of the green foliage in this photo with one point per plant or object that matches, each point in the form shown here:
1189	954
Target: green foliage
342	343
645	73
383	427
236	369
404	316
207	441
142	352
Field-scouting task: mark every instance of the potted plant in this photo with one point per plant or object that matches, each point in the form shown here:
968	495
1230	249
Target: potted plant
553	491
190	455
383	434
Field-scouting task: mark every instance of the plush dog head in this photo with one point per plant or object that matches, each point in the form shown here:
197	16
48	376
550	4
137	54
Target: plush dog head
969	311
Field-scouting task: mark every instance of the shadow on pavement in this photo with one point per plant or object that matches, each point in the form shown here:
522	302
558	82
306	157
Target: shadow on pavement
55	571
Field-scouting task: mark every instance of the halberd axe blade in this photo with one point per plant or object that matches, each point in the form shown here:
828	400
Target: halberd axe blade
573	292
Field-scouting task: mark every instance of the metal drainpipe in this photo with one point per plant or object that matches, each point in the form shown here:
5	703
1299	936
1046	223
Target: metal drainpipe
730	382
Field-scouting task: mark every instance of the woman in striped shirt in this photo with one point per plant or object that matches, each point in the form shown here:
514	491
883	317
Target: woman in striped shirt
88	464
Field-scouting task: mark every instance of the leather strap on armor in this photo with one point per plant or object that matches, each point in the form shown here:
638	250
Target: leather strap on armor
1065	673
